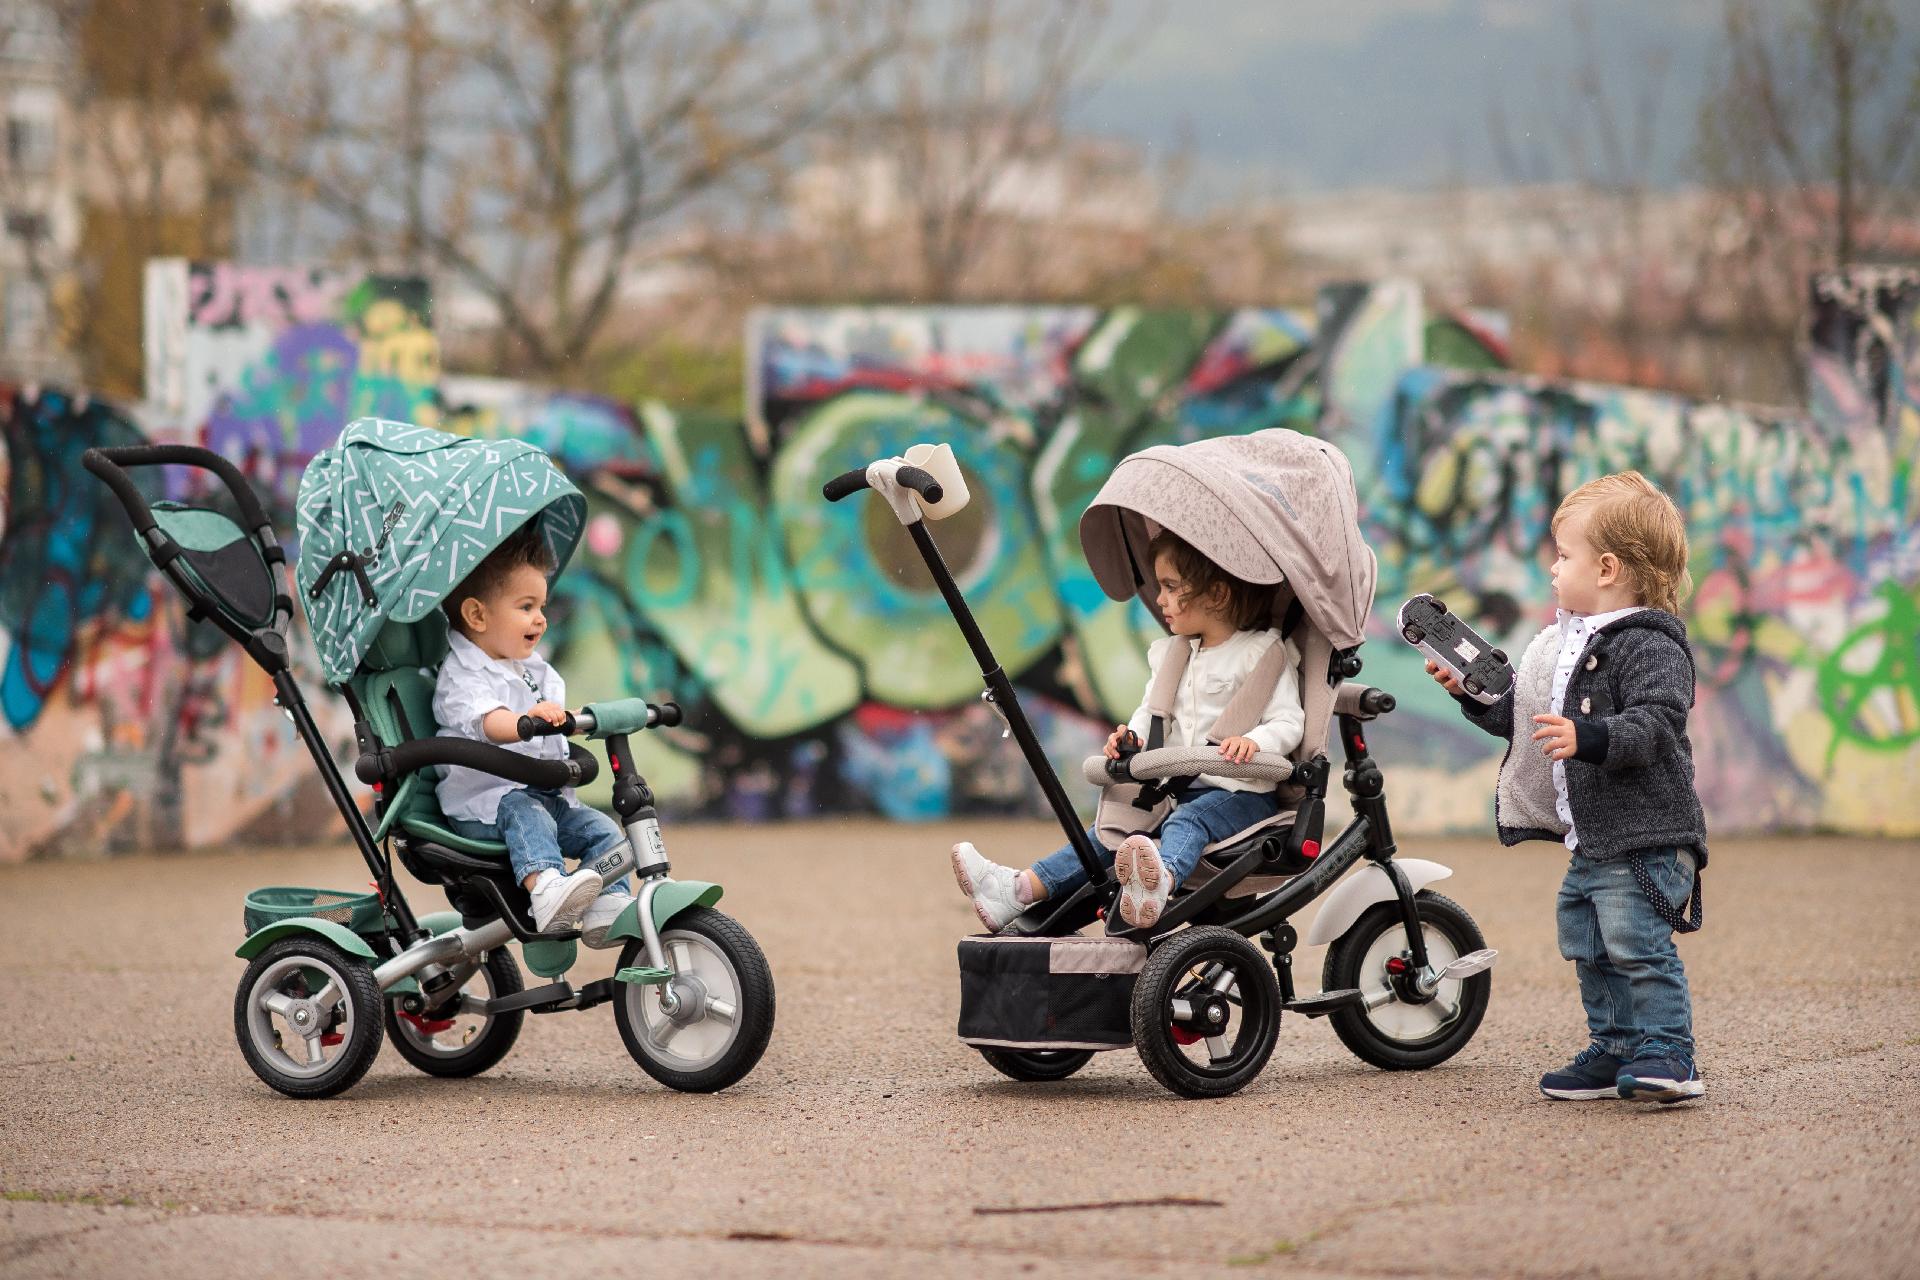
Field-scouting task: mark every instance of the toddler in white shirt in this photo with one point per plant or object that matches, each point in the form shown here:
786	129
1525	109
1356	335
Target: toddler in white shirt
493	675
1219	617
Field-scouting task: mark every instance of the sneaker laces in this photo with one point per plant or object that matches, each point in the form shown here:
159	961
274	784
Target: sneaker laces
1592	1053
1664	1049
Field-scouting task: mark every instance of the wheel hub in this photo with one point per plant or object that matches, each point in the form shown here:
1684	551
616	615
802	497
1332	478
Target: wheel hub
684	998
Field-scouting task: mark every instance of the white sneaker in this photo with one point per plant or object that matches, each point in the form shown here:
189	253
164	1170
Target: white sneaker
600	917
989	884
1145	885
559	900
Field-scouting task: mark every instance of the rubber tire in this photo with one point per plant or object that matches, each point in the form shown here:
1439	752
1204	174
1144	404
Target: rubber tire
1342	972
755	1011
1036	1065
1153	990
1412	634
362	992
489	1046
1499	655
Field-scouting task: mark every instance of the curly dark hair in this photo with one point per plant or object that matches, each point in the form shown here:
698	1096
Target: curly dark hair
1246	606
524	546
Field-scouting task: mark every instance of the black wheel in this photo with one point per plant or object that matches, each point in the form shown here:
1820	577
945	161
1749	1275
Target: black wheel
307	1016
1206	1012
1413	634
1470	684
1440	607
449	1041
1395	1034
707	1027
1036	1064
1499	655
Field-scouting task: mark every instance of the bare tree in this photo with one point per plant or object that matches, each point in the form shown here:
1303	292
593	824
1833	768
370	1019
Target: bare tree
523	149
1808	138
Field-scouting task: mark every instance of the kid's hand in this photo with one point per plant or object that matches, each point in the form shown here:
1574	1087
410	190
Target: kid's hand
1121	737
551	712
1445	679
1556	736
1239	750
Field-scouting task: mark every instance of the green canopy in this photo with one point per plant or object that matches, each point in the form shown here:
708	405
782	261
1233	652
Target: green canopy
415	509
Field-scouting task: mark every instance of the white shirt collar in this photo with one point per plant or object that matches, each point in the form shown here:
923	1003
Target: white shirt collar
1595	621
474	658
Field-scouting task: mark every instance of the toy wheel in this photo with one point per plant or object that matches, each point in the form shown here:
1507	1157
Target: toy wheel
1384	1029
307	1016
1470	684
1499	655
1413	634
722	1004
1037	1064
1439	607
1206	1012
455	1041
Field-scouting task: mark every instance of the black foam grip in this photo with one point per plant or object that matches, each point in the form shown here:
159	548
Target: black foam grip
531	728
842	485
487	758
107	463
919	481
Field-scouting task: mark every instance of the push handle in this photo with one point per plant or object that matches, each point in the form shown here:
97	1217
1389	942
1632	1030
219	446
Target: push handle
534	727
109	464
602	720
579	769
910	477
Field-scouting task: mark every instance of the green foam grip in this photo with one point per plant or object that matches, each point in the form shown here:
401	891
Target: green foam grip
620	715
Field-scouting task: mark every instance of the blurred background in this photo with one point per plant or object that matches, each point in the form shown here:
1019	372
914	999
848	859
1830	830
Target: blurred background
707	252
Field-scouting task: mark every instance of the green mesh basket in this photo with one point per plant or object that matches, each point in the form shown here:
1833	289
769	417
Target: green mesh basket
360	912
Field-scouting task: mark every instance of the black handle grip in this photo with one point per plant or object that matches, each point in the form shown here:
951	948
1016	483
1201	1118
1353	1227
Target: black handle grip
107	463
578	770
842	485
666	715
531	727
854	481
1377	702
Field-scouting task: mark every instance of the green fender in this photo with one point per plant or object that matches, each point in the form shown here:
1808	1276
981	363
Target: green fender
669	900
338	934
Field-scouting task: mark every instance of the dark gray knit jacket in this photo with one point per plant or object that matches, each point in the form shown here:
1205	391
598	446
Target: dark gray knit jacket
1630	781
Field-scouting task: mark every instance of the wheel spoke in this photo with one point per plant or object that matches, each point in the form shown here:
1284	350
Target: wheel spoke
680	955
329	996
722	1010
315	1056
1379	999
666	1037
1218	1049
279	1002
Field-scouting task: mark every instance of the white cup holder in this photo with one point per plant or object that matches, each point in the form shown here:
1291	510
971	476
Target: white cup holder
937	460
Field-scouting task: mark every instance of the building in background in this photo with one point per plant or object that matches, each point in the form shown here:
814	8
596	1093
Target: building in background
40	215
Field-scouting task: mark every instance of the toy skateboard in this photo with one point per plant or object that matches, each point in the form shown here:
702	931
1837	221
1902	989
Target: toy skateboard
1481	669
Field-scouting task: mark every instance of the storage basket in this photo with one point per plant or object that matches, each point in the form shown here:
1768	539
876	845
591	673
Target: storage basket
1048	993
359	912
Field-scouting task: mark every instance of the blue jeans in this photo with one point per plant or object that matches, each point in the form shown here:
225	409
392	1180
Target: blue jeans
1203	815
1631	979
540	828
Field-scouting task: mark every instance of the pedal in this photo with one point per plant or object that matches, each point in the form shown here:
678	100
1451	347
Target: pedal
1322	1003
1467	965
643	975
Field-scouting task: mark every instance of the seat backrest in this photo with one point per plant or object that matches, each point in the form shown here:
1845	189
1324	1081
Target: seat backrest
394	686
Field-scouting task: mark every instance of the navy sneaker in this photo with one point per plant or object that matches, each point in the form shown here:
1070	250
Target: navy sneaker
1588	1078
1660	1073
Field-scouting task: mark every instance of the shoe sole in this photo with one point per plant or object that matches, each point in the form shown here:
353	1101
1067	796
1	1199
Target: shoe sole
1604	1093
597	938
1634	1089
572	907
1138	867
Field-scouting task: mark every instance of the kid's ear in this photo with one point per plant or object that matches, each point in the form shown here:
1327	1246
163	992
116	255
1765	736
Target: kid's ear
473	613
1609	568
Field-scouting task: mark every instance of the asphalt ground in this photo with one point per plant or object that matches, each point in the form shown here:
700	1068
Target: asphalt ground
134	1141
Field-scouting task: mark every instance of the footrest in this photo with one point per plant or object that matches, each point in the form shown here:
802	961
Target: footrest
643	975
1322	1003
552	993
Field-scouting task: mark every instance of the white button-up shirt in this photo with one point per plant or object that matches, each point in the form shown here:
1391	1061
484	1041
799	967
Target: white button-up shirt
1575	630
1211	679
471	685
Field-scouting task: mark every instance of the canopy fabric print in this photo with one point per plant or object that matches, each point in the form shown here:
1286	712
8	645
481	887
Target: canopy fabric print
393	516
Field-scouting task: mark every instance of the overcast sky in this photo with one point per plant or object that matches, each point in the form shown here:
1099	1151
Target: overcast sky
1302	95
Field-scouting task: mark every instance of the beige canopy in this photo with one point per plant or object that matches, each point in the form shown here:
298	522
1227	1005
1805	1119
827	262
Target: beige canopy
1271	507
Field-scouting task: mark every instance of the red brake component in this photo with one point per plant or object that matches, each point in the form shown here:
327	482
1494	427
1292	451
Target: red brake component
1396	965
1310	848
332	1038
426	1027
1182	1035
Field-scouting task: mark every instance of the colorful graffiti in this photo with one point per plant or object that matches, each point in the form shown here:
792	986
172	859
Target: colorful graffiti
819	666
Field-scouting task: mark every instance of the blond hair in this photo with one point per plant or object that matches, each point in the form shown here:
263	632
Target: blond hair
1634	521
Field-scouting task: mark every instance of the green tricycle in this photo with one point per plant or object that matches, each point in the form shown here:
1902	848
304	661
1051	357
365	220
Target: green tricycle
390	520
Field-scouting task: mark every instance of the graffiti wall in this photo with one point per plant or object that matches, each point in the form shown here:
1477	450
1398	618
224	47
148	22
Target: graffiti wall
819	667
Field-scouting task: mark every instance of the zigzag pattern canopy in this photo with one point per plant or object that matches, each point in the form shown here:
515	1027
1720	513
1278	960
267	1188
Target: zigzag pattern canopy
421	508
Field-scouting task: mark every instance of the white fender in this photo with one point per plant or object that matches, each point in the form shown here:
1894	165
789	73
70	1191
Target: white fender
1364	888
